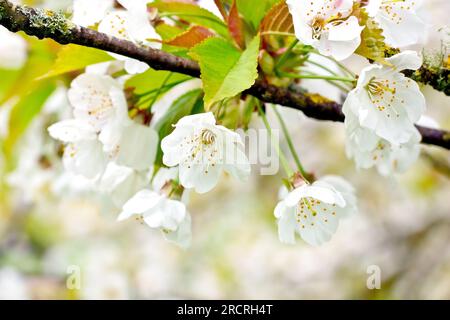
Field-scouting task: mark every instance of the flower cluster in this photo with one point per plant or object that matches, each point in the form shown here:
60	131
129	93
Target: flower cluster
332	28
380	115
148	158
117	153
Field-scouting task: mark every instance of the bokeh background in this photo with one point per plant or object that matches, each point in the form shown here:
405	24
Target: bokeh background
51	221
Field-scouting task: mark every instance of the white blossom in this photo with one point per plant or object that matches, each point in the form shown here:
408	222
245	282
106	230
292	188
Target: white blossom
83	153
87	13
313	210
156	209
132	24
203	150
369	150
97	99
399	21
13	50
387	102
327	25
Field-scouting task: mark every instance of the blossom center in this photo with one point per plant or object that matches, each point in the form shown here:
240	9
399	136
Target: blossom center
317	26
308	210
208	137
378	87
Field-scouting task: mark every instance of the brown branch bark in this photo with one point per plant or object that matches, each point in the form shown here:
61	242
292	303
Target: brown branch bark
46	24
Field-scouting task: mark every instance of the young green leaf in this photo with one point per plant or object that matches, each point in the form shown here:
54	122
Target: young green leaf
372	40
24	111
254	12
235	25
22	82
225	71
278	19
192	13
74	57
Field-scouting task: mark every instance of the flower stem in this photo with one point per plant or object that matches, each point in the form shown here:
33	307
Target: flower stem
337	85
167	78
316	76
285	55
287	169
169	86
339	64
290	143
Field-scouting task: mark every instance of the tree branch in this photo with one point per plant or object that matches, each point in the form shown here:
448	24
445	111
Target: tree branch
47	24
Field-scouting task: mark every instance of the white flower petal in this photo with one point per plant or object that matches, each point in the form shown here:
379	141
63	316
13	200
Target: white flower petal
406	60
286	224
72	130
140	203
183	235
138	146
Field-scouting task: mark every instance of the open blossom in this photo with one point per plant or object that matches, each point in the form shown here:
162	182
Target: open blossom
313	211
399	21
132	24
133	146
203	150
13	50
102	130
100	101
369	150
156	209
83	153
87	13
327	25
387	102
97	99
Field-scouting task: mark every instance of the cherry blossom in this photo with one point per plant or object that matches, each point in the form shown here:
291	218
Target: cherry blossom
313	210
369	150
327	25
399	21
87	13
387	102
131	24
97	99
203	150
156	209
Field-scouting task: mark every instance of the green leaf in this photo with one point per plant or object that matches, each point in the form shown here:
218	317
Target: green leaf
153	79
74	57
225	71
23	81
167	31
255	12
8	79
24	111
189	103
191	13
